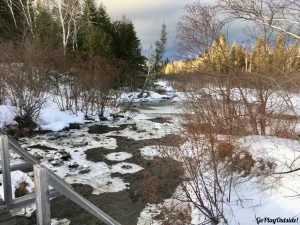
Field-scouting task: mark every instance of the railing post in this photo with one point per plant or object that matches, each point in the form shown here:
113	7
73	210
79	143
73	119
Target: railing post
42	195
6	170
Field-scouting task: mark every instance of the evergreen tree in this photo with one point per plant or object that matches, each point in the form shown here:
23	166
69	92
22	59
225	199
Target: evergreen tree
233	54
160	48
260	55
127	47
95	36
240	56
293	56
89	13
237	55
279	56
46	28
102	19
219	54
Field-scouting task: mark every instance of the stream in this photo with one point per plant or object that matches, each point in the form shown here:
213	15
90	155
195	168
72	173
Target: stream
114	164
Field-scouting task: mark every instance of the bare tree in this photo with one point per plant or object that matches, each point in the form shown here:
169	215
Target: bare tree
281	16
198	28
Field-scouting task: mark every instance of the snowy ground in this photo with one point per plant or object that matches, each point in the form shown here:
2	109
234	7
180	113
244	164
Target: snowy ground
275	196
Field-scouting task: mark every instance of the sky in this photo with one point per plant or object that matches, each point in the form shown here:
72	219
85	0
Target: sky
147	17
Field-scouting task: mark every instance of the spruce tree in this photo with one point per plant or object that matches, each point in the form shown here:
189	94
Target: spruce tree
219	54
46	28
240	56
160	48
260	55
89	13
293	56
95	37
237	55
279	56
127	47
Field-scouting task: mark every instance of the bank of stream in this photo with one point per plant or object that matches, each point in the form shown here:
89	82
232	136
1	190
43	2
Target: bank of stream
155	182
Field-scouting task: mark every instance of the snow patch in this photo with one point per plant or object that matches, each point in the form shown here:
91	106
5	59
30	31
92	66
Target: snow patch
17	177
124	168
118	156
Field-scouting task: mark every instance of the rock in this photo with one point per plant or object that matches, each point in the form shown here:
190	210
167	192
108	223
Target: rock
79	144
64	155
73	165
57	136
74	126
127	167
84	169
103	118
117	116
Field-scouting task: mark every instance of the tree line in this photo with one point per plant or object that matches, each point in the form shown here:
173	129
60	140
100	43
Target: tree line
71	51
83	29
262	57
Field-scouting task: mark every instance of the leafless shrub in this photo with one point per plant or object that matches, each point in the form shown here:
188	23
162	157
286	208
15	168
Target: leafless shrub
97	79
25	75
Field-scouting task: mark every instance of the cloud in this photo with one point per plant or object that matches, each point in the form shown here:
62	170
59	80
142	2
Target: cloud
148	16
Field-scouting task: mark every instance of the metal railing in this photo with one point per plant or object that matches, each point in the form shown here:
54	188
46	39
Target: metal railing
43	178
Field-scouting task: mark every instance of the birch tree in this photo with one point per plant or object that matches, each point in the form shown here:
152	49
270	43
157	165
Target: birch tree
67	13
25	9
9	4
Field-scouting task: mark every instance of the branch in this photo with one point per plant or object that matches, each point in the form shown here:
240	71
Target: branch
286	172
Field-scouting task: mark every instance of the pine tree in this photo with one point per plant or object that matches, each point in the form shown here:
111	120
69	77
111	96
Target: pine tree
95	37
293	56
46	28
89	13
127	47
160	48
233	54
102	19
237	55
279	56
260	56
219	54
240	56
